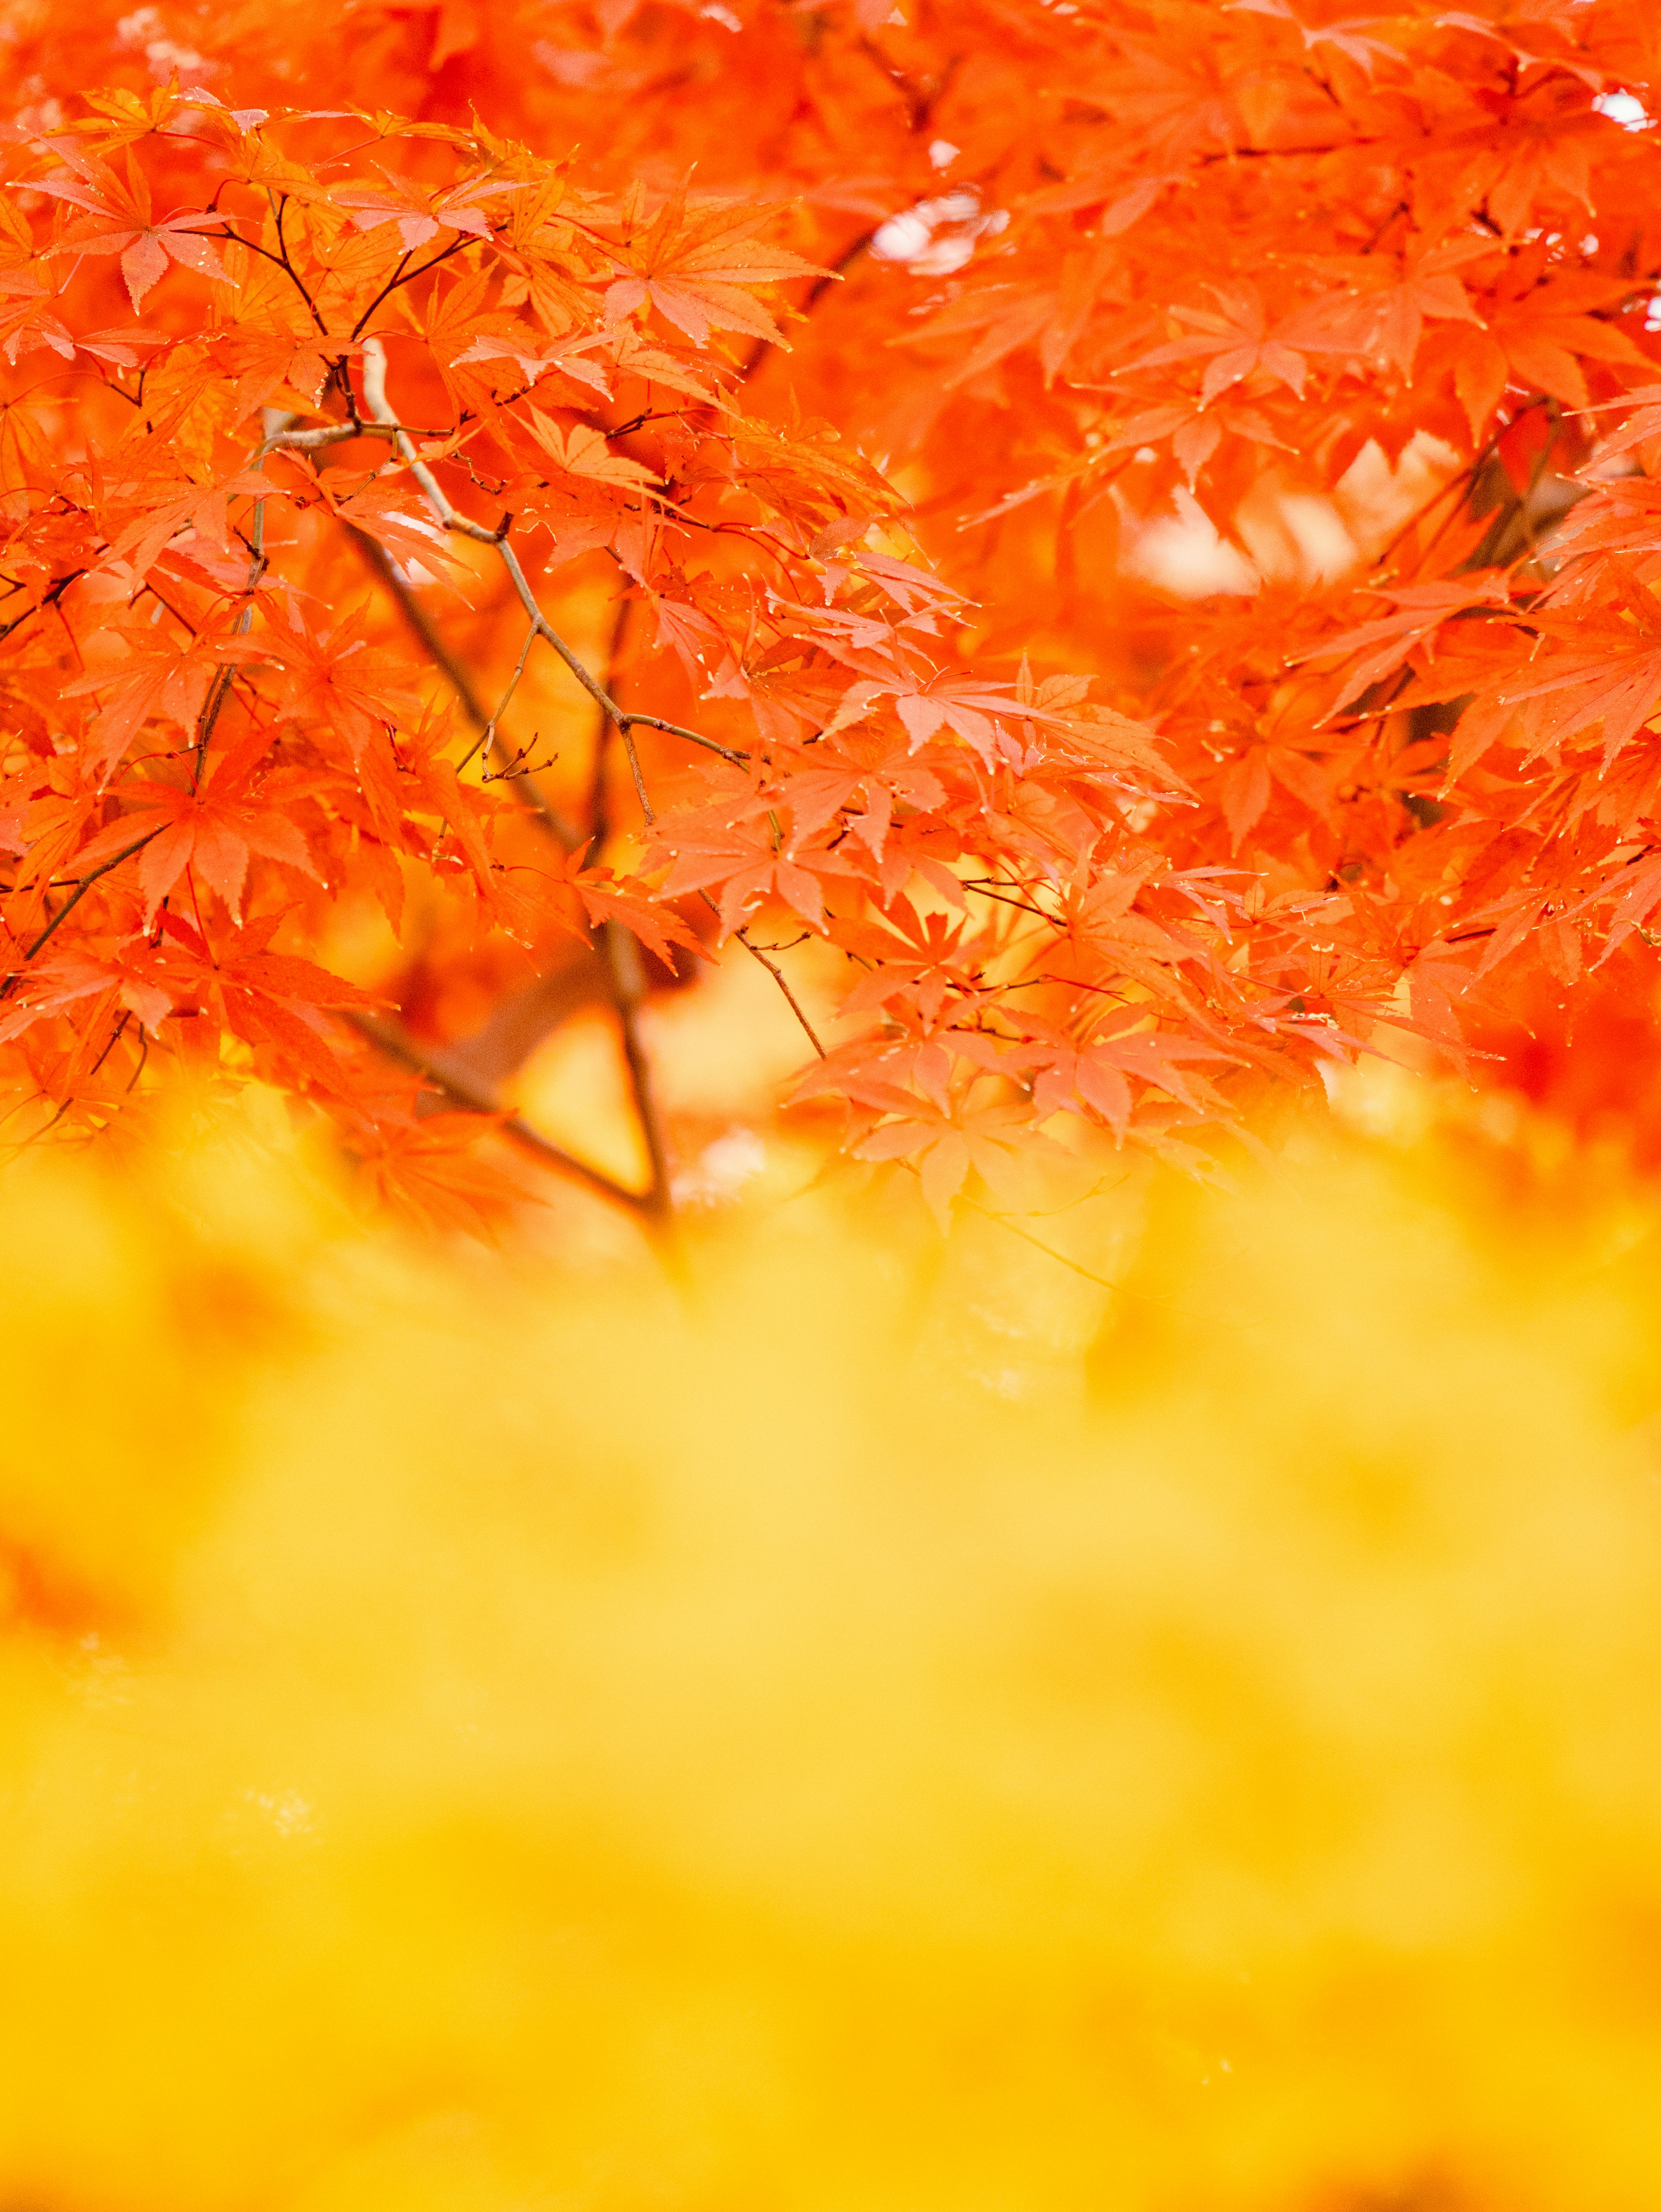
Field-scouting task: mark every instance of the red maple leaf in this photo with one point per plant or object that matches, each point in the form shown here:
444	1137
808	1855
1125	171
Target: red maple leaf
120	220
420	216
693	262
1239	341
157	678
359	689
211	831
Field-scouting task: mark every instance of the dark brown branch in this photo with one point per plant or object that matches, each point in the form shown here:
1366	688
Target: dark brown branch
625	978
448	1073
70	904
48	598
627	982
1462	485
402	275
423	628
621	949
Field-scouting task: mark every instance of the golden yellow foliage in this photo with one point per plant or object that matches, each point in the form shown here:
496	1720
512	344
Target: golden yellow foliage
850	1729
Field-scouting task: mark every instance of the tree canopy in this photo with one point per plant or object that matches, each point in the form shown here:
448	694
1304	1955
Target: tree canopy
1129	527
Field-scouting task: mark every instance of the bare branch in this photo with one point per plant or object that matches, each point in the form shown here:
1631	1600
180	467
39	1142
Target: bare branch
626	978
647	812
327	433
621	949
564	833
487	736
375	400
778	976
674	730
311	441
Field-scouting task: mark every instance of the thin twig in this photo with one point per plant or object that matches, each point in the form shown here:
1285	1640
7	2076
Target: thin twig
1467	477
1036	1242
816	292
732	753
778	976
600	803
279	204
404	274
48	598
647	812
487	736
1025	1235
626	978
275	422
649	815
565	832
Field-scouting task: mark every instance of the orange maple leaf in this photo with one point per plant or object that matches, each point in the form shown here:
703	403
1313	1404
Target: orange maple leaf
211	831
693	264
120	220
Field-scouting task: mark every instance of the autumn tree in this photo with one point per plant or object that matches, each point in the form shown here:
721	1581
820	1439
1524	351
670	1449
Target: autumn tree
1128	526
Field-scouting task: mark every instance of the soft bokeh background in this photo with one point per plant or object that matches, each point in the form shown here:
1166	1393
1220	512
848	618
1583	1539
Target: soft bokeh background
850	1719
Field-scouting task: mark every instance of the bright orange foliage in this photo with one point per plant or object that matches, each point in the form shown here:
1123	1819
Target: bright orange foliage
1186	596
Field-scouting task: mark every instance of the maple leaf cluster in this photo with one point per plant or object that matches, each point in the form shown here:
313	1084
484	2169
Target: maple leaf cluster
309	407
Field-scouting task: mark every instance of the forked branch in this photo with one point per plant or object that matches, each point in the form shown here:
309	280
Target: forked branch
449	1074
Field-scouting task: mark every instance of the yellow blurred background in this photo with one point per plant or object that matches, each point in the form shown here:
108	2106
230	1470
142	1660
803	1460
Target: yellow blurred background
848	1719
